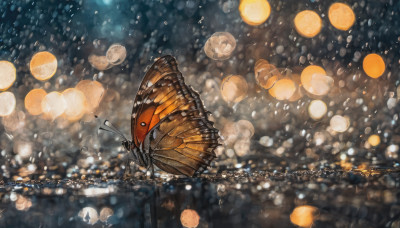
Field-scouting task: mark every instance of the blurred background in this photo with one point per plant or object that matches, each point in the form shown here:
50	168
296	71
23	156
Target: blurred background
304	93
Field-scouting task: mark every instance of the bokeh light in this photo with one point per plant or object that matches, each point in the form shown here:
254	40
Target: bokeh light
75	104
43	65
254	12
339	123
99	62
303	216
23	203
53	105
7	103
374	140
308	23
105	214
373	65
220	46
317	109
266	74
392	151
14	122
234	88
93	91
341	16
23	148
33	101
89	215
314	80
7	75
116	54
190	218
283	89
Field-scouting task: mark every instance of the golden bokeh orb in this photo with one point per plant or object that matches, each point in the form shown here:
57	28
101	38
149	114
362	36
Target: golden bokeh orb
75	104
374	140
303	216
266	74
283	89
308	23
254	12
317	109
234	88
339	123
43	65
93	91
220	46
314	80
53	105
373	65
190	218
99	62
7	75
341	16
116	54
7	103
33	101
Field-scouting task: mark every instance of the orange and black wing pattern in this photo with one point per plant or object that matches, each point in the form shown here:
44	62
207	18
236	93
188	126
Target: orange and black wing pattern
169	118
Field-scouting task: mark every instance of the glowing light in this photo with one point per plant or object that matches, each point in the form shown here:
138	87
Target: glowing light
339	123
220	46
99	62
43	65
391	151
7	75
308	23
15	121
93	91
75	102
190	218
22	203
242	147
105	213
245	128
283	89
314	80
374	140
254	12
116	54
33	101
373	65
303	216
341	16
7	103
53	105
234	88
317	109
89	215
23	148
266	74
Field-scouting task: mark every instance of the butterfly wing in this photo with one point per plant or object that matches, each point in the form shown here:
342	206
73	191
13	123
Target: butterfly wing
182	143
163	93
156	89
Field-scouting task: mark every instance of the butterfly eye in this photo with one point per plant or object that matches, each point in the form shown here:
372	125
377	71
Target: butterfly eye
142	124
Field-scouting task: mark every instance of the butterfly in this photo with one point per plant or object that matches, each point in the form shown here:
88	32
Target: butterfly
169	124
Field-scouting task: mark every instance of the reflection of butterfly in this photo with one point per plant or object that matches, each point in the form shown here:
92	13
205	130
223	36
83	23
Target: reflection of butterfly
170	127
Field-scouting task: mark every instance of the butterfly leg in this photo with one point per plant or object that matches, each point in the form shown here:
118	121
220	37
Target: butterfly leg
152	171
127	171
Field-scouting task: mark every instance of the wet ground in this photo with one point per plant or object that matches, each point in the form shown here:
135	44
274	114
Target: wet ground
228	199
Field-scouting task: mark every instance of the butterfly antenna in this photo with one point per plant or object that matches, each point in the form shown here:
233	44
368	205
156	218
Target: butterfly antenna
109	127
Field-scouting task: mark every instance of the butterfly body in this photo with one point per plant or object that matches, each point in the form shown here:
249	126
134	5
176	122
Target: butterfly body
170	126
